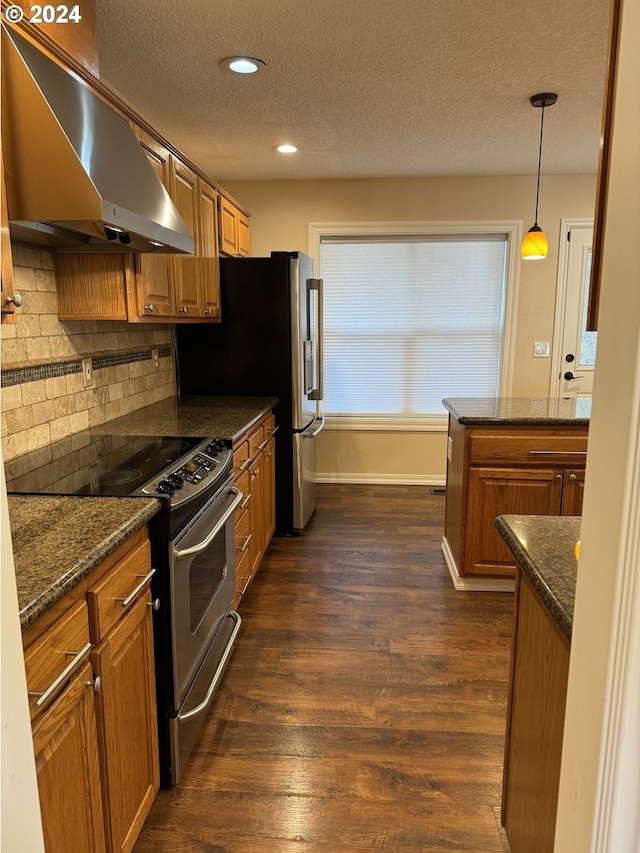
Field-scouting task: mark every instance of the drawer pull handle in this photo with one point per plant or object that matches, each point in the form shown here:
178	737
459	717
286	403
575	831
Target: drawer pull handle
557	453
145	580
263	445
245	502
275	430
45	695
245	464
247	539
244	588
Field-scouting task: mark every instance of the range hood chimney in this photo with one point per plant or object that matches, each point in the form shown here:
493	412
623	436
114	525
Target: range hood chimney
77	178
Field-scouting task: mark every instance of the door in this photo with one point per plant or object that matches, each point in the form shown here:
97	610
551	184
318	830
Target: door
304	469
184	193
577	346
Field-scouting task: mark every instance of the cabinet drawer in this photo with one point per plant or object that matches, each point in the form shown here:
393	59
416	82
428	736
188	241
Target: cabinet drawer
241	456
256	441
118	590
243	482
243	533
243	572
269	426
51	660
528	449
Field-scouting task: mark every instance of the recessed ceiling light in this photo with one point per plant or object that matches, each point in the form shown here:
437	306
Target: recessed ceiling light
287	149
243	64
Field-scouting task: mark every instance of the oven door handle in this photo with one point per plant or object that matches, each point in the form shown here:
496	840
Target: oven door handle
203	706
202	546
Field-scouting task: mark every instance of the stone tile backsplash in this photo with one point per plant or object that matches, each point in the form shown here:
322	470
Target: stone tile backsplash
44	396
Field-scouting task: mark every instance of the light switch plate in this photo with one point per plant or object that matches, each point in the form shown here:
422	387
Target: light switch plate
156	360
541	349
87	372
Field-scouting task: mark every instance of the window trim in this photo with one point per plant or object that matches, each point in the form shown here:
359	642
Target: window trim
513	231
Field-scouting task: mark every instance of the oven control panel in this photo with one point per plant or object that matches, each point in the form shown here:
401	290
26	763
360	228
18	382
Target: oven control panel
201	469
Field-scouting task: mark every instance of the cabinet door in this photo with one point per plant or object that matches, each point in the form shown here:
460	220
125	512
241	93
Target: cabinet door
269	495
208	261
155	296
66	751
573	491
500	491
244	236
7	294
127	724
184	192
228	228
256	511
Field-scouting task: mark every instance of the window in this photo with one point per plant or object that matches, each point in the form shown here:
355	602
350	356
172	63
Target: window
409	320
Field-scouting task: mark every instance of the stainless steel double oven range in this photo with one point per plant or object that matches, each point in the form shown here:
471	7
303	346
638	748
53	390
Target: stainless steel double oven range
193	552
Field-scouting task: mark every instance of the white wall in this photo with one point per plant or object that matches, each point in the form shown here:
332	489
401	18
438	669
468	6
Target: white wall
599	804
20	828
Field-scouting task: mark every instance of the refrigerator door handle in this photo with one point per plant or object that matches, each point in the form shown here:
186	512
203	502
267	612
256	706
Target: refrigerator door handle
317	430
317	284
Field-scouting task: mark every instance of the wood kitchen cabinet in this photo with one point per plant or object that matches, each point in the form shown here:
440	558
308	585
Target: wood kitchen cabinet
235	238
121	626
253	462
506	470
95	740
65	736
535	724
7	294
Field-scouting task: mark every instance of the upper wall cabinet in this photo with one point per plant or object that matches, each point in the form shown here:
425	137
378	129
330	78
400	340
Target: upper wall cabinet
148	287
61	30
234	230
8	299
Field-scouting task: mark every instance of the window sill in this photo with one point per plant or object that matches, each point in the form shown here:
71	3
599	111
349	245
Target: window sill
388	423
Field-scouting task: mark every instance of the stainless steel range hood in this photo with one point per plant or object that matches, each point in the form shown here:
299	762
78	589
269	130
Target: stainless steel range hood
77	178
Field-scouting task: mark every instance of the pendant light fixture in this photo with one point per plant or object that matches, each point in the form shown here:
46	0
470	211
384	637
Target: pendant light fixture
535	245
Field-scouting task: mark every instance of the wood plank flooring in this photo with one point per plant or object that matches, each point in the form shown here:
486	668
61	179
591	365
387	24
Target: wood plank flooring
364	705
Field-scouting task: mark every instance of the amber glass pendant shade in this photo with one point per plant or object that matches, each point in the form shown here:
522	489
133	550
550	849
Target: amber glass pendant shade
535	245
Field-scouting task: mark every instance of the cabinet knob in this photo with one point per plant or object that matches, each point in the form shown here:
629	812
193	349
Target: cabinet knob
96	684
207	310
16	300
558	476
572	477
150	307
183	309
155	604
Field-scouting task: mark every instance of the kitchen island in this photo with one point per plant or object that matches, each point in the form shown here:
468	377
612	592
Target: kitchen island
545	552
508	455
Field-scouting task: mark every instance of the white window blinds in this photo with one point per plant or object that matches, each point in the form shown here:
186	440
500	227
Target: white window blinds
408	321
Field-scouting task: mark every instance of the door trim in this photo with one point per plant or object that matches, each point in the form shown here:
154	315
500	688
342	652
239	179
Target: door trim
561	294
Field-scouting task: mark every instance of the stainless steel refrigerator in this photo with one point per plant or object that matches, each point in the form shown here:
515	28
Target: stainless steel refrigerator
269	343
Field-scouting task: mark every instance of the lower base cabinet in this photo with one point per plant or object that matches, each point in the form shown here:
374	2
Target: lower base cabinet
65	743
535	724
254	470
91	678
127	732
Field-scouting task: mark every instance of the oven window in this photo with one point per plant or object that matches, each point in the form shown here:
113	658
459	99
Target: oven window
207	572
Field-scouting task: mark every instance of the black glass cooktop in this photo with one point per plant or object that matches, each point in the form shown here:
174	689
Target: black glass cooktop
87	464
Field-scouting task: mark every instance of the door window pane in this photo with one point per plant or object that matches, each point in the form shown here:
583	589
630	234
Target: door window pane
588	340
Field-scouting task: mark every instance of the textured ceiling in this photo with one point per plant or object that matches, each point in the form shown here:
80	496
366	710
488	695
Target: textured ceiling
368	88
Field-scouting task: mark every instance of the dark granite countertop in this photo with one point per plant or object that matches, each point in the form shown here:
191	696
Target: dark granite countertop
219	417
520	411
544	548
57	541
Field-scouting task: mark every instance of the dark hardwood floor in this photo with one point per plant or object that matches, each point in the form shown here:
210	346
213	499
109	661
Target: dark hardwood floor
364	706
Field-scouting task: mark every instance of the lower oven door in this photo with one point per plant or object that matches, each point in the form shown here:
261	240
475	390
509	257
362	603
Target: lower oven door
202	584
185	725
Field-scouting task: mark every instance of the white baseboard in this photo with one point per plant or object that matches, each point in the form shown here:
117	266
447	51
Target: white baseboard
473	584
438	480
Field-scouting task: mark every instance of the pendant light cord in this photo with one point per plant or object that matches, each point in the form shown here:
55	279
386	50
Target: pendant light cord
535	220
